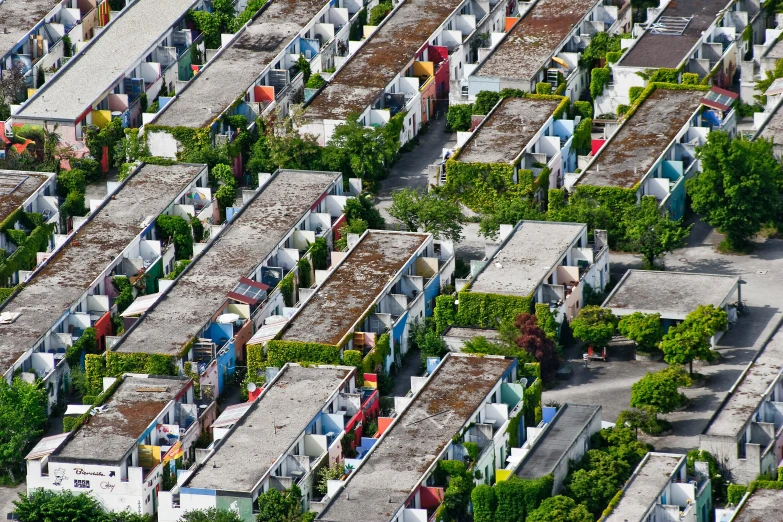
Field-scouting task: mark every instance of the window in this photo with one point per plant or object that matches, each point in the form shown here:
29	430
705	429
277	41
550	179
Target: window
166	419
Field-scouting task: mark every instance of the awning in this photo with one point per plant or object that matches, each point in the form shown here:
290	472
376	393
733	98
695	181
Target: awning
720	99
561	62
231	415
267	332
46	446
141	304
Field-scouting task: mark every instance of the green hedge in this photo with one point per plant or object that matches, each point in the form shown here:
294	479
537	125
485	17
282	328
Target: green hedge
599	80
256	360
180	232
281	352
118	363
513	429
287	288
479	185
532	404
583	136
561	109
488	310
634	93
25	257
612	504
94	369
484	503
354	358
70	423
445	312
583	109
375	358
616	198
87	343
736	492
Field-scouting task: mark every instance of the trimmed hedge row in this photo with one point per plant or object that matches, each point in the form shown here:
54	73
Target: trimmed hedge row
510	500
488	310
354	358
281	352
445	312
115	364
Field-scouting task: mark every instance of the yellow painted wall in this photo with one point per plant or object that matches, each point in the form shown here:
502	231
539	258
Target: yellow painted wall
101	118
423	68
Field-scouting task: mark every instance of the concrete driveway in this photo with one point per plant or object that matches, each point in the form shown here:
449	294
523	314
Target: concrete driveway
609	384
7	497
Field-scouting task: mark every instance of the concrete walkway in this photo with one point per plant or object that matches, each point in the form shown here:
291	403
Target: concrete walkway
411	364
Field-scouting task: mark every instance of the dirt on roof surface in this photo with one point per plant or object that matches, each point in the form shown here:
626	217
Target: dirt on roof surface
356	85
664	50
15	187
108	436
353	286
507	131
534	38
18	17
233	71
382	483
625	159
67	275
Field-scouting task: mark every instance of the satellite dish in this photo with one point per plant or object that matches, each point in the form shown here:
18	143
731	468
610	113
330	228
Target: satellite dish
251	387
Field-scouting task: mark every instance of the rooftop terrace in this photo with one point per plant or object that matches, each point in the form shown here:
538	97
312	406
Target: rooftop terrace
277	418
68	274
227	76
384	480
644	487
353	286
553	445
388	50
17	186
17	18
527	256
109	435
533	39
667	293
763	505
655	49
507	130
624	160
263	224
732	417
105	60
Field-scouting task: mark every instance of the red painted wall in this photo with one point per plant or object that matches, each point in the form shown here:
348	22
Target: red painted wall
596	145
430	497
383	425
102	329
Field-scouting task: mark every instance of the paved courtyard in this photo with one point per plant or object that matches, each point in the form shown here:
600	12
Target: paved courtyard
609	384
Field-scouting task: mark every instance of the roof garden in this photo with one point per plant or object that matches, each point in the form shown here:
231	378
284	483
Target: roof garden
277	417
388	475
669	41
507	130
528	46
624	160
19	18
70	271
382	57
526	257
252	236
353	286
229	74
109	435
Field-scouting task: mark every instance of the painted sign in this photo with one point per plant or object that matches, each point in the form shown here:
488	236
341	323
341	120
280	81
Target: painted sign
168	434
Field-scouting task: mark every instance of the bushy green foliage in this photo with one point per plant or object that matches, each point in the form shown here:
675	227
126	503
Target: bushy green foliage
458	117
594	325
198	229
59	506
178	230
179	267
281	352
86	343
319	254
489	310
690	339
560	509
354	358
362	207
125	297
316	81
600	44
657	392
583	136
543	88
379	12
736	492
546	320
288	289
583	109
23	416
599	80
645	330
479	185
119	363
94	370
256	360
485	101
305	273
484	503
445	312
429	212
738	189
651	233
274	506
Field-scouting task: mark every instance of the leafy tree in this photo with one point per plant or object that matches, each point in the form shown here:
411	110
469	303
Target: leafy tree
362	207
23	414
508	211
223	177
535	342
51	506
560	509
354	226
358	151
598	478
738	188
458	117
645	330
485	100
657	392
652	233
690	339
210	515
274	506
637	419
327	473
594	325
429	212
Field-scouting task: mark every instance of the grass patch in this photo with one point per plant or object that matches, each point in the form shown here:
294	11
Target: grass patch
725	248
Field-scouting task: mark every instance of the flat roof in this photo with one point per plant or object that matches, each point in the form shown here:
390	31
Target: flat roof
105	60
645	486
109	435
525	258
382	57
507	130
667	293
16	186
353	286
669	50
17	18
70	271
763	505
254	234
270	427
624	160
386	477
738	408
773	127
467	334
227	76
552	445
533	39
